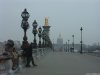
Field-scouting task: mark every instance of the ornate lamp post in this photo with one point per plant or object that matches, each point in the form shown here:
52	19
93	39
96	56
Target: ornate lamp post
35	32
25	25
25	15
73	42
81	40
39	30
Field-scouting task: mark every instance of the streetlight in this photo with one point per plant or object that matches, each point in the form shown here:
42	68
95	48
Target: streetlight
73	42
25	15
39	34
81	40
25	25
68	45
34	33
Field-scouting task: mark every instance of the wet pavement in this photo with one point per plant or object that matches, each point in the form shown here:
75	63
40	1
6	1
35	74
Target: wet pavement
61	63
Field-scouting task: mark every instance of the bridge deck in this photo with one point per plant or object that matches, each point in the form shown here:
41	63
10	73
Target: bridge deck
61	63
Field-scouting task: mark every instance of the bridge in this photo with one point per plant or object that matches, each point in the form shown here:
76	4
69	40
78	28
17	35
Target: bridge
62	63
48	61
56	63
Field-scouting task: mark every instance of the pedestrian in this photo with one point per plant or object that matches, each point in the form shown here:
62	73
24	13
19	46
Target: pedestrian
25	48
29	56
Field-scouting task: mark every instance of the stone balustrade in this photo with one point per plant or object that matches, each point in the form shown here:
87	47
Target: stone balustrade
6	63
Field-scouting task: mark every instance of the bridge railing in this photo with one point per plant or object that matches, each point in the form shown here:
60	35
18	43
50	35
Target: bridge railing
6	63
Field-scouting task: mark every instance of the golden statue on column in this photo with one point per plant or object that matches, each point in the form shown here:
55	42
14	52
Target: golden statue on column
46	21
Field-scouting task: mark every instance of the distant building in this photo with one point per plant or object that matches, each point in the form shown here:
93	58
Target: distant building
59	46
60	40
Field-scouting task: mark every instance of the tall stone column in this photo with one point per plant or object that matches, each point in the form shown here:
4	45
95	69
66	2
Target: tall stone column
46	29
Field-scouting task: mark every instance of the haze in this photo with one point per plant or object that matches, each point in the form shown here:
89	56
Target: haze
65	18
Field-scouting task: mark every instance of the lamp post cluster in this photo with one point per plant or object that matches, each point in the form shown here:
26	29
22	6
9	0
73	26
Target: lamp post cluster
41	33
72	48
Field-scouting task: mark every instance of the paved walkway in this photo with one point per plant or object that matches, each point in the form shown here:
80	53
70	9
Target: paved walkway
61	63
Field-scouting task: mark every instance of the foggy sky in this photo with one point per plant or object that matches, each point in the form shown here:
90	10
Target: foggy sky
65	18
